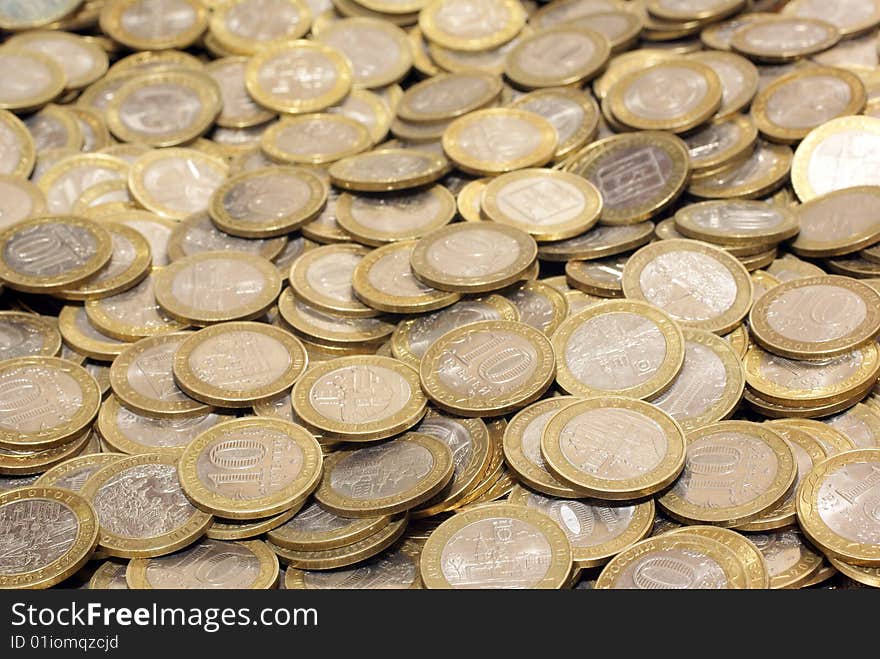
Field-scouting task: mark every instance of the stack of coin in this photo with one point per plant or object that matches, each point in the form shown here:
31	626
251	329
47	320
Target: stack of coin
439	293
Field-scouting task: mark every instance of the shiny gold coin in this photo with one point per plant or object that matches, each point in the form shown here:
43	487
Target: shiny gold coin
557	57
213	287
318	325
35	514
776	411
736	222
376	220
634	98
765	169
590	446
110	575
67	406
147	483
208	564
315	528
391	403
428	469
85	338
298	76
832	441
749	492
134	23
36	14
574	115
388	169
28	334
395	569
246	26
757	569
322	277
790	267
670	10
450	23
54	127
142	379
738	77
215	479
720	143
473	257
637	174
34	79
489	367
816	317
493	526
315	138
238	364
474	141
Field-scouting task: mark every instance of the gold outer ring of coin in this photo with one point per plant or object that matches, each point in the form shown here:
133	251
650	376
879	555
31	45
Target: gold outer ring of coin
50	337
410	549
719	324
646	484
138	402
359	174
301	283
653	386
60	10
722	555
83	343
601	51
382	428
431	275
789	134
810	518
106	319
775	411
771	340
74	555
560	559
22	281
326	559
617	239
709	12
225	529
832	440
92	61
114	544
233	505
594	555
422	115
752	559
739	80
138	570
373	329
57	430
57	473
27	151
514	23
24	463
347	217
388	300
113	24
468	404
599	277
589	161
498	210
397	60
255	115
67	134
330	123
740	147
244	45
51	89
867	23
586	129
193	384
188	228
679	123
541	154
679	508
555	300
265	97
739	40
716	233
356	530
869	576
179	309
430	484
109	575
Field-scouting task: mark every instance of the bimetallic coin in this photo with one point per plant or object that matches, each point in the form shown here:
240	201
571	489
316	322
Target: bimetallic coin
460	552
213	287
54	530
539	305
142	509
231	529
752	559
832	441
720	143
322	277
26	334
317	325
637	174
388	169
860	424
573	113
446	96
238	110
131	315
246	26
250	468
707	10
47	401
315	138
816	317
154	25
379	52
65	180
837	223
109	576
238	364
762	172
142	378
868	576
791	560
35	13
208	564
783	38
620	347
488	368
386	478
315	528
17	151
599	242
498	140
198	234
360	398
33	80
21	462
737	222
556	57
85	338
72	474
850	18
54	128
83	62
600	277
395	569
473	257
466	25
734	472
611	447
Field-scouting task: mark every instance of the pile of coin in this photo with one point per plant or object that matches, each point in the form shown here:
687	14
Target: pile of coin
439	293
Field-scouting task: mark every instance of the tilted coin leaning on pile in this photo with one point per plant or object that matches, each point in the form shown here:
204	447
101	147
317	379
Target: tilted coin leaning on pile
439	294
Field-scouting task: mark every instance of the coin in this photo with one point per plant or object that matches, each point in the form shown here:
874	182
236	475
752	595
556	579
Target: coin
34	79
556	57
790	267
142	509
784	38
17	153
490	367
198	234
55	531
65	180
318	325
109	576
73	473
549	205
850	18
360	398
720	143
315	138
598	242
387	169
791	561
76	329
131	315
238	110
815	317
600	277
83	62
379	52
826	159
758	471
136	23
212	287
637	174
25	334
832	441
368	109
736	222
860	424
462	25
323	278
24	461
539	305
152	227
594	447
473	257
781	113
238	364
376	220
22	16
246	26
395	569
449	95
54	127
765	169
498	140
142	380
459	554
753	560
868	576
315	528
574	115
